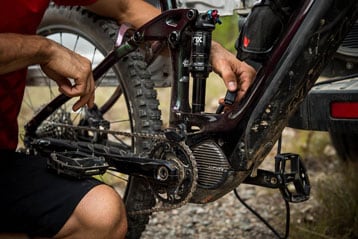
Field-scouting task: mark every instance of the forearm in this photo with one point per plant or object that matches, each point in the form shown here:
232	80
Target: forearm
135	12
19	51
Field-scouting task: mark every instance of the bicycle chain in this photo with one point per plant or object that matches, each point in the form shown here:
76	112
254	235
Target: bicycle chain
160	137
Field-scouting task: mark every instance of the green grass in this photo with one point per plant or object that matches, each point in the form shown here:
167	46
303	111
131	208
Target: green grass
336	215
227	33
333	206
332	210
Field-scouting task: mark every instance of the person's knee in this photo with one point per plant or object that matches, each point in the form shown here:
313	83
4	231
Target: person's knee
101	214
107	212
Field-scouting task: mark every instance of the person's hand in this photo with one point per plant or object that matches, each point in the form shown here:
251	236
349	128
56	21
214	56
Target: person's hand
237	75
64	64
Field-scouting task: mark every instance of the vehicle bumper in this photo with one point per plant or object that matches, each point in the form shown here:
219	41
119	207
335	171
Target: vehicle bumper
329	106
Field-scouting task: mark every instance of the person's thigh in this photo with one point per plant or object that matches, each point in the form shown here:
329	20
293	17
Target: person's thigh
33	199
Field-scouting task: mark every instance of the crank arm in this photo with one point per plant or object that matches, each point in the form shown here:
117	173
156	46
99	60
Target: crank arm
158	170
161	171
263	178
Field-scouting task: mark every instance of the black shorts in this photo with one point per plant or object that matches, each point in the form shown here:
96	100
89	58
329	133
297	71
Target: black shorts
34	200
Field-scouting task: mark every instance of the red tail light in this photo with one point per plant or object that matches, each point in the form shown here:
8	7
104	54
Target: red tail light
344	110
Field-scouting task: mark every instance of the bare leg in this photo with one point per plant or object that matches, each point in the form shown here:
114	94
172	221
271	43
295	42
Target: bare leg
100	214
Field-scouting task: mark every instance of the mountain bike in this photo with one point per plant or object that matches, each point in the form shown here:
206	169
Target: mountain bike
195	156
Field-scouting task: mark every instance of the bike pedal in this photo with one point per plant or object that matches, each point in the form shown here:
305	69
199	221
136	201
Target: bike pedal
293	178
77	164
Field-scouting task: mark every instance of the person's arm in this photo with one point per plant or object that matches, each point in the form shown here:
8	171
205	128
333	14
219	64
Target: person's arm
237	75
19	51
135	12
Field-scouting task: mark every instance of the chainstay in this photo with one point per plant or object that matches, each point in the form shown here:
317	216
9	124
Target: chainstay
160	137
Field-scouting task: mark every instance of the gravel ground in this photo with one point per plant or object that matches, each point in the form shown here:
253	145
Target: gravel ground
224	218
228	218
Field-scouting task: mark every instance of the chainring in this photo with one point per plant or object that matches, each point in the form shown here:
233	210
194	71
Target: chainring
180	193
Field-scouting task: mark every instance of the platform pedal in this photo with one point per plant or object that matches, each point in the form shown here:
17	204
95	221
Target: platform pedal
293	178
77	164
290	177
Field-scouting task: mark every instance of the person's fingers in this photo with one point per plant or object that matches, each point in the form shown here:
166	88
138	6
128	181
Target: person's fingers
64	65
81	102
246	78
86	93
91	91
229	78
90	102
245	83
78	89
64	85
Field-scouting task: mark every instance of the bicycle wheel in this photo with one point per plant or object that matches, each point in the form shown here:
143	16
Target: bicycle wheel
125	98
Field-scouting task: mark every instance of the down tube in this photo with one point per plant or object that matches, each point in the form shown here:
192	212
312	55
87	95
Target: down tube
299	67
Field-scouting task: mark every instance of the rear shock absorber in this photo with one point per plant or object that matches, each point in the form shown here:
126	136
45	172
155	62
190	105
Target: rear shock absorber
200	56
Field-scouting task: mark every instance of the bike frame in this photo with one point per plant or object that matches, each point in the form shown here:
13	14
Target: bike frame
252	127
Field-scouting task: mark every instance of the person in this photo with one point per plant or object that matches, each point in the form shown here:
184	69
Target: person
37	202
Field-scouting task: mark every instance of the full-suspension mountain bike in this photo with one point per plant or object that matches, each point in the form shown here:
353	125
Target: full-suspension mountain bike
195	156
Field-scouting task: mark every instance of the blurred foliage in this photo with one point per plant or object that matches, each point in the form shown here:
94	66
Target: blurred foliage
332	211
227	32
311	145
337	212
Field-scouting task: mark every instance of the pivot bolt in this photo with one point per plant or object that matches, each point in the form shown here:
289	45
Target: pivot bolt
162	174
